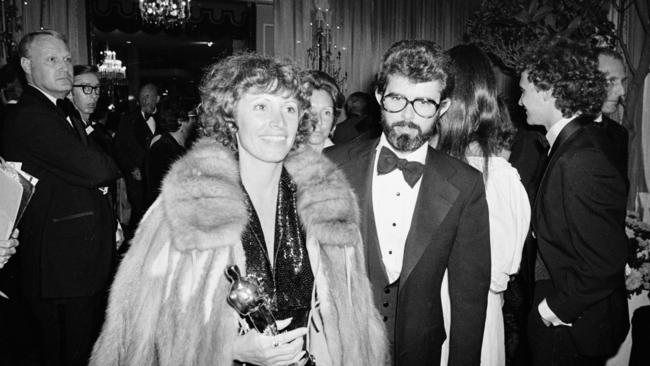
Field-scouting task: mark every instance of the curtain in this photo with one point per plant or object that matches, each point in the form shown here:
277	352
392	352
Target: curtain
637	112
368	28
64	16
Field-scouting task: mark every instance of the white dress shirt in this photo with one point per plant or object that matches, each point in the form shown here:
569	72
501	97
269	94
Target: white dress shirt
151	123
554	131
393	203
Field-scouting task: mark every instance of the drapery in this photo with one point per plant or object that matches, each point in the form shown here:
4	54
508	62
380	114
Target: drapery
64	16
368	28
637	114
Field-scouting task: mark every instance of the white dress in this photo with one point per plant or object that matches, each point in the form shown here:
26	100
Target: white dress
509	212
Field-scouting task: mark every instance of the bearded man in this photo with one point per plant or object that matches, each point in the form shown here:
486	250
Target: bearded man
422	212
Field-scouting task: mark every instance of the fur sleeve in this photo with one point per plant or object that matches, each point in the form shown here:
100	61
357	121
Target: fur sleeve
365	310
135	299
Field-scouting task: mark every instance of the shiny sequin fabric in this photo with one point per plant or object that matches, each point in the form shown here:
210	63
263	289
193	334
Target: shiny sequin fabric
289	284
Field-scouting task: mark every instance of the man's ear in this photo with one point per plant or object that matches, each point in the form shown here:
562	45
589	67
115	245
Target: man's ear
378	97
547	95
444	106
26	65
157	99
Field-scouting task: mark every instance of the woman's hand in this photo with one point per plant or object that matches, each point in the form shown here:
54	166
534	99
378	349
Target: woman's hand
280	350
8	248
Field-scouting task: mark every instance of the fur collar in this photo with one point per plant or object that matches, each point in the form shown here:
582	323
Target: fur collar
203	196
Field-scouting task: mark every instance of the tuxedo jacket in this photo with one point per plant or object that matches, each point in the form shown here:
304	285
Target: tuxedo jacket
356	128
449	231
132	142
67	249
160	157
579	221
615	143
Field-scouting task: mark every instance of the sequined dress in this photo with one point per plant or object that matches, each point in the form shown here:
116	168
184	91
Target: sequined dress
290	283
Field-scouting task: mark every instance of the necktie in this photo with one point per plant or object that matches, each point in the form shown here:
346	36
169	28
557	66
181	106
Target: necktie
388	161
68	108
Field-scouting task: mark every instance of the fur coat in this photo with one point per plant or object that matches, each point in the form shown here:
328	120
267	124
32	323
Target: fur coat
168	301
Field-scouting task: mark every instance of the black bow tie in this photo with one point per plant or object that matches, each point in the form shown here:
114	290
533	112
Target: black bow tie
149	115
388	161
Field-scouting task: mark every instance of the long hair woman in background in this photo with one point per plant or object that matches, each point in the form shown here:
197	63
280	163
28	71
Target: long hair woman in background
477	130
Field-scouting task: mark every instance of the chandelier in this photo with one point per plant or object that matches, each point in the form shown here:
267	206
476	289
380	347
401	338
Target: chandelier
165	13
324	54
111	69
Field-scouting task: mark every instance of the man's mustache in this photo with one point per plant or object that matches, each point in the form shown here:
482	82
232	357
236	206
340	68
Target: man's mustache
409	124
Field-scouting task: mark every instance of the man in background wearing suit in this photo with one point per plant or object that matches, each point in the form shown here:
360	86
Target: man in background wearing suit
422	212
610	63
580	312
132	141
362	113
67	254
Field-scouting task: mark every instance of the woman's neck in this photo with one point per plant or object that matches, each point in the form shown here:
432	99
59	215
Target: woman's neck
258	177
261	181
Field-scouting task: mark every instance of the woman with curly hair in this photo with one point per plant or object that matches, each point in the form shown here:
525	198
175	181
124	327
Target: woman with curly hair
248	194
326	102
477	129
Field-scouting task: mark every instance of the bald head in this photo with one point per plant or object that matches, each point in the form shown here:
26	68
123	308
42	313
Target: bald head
149	98
611	65
45	58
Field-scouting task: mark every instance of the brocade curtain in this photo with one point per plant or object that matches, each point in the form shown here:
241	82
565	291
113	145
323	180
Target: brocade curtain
64	16
368	28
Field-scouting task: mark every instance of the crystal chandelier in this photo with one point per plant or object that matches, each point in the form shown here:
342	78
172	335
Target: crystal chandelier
324	54
111	68
165	13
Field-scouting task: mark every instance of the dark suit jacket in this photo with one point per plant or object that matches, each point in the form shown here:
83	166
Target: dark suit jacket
66	249
579	221
132	142
160	157
450	230
616	143
356	128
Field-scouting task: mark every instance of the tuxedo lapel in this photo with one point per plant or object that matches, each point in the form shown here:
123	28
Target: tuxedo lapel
42	99
565	135
360	169
435	198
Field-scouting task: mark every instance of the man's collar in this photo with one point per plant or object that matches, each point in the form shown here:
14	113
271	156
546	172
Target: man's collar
419	155
144	114
48	96
599	118
555	130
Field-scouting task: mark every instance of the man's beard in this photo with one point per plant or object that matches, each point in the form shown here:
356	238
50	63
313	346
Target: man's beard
405	142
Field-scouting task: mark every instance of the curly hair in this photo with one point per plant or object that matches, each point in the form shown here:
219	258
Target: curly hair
318	80
570	70
418	60
475	114
228	80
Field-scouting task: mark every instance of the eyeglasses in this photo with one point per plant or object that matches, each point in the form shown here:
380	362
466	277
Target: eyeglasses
424	107
88	89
